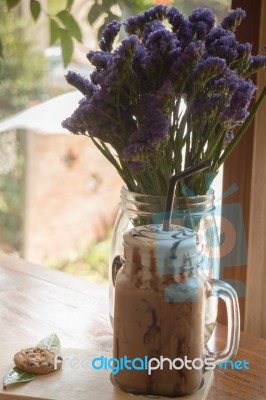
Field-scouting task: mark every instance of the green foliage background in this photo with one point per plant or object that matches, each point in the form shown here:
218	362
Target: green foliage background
21	67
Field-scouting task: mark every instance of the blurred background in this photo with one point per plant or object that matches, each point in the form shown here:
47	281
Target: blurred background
58	194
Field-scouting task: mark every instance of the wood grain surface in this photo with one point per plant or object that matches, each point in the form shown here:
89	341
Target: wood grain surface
36	301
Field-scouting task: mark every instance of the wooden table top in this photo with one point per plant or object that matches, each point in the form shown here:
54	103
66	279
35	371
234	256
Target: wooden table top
35	301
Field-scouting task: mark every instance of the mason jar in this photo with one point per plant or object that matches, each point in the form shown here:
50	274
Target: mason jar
161	294
195	212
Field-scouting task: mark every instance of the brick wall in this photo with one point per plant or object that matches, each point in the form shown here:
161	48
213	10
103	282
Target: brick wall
71	195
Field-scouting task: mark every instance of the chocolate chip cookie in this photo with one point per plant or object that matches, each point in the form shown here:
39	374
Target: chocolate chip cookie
37	360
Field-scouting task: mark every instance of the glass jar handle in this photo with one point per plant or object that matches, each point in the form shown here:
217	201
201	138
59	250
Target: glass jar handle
227	293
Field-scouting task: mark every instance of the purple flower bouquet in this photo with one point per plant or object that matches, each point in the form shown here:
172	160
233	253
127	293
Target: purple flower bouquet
173	93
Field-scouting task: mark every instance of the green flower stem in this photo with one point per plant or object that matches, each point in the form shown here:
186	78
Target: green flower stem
208	136
211	150
106	152
243	129
220	147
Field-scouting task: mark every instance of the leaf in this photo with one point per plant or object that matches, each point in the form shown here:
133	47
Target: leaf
1	49
54	31
15	375
51	343
35	9
12	3
69	4
94	13
66	45
70	23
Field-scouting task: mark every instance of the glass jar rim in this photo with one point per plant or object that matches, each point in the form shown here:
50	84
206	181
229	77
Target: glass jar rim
208	196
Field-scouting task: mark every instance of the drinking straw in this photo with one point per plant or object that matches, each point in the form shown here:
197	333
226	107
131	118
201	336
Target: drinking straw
171	190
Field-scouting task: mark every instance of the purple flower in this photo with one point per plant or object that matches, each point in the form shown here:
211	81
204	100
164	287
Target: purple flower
157	12
158	45
182	68
159	40
140	54
233	19
82	84
219	85
109	34
165	96
135	25
207	69
222	43
98	77
229	136
241	93
132	99
150	27
120	65
175	17
205	107
255	63
152	130
185	34
202	20
243	50
77	123
100	59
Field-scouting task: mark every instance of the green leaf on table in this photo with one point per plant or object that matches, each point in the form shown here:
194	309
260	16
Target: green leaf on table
94	13
35	9
70	23
15	375
54	31
12	3
51	343
66	45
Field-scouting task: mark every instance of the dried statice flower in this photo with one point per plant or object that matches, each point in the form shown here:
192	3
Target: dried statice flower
158	45
205	108
182	68
135	25
109	34
121	62
175	17
233	19
202	20
229	136
77	123
207	69
98	77
134	98
152	130
241	95
82	84
222	43
185	33
100	59
255	63
150	27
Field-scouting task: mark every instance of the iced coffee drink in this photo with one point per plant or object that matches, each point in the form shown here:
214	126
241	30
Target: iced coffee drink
159	311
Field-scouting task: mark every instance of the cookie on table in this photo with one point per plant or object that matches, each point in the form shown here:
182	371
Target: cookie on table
37	360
